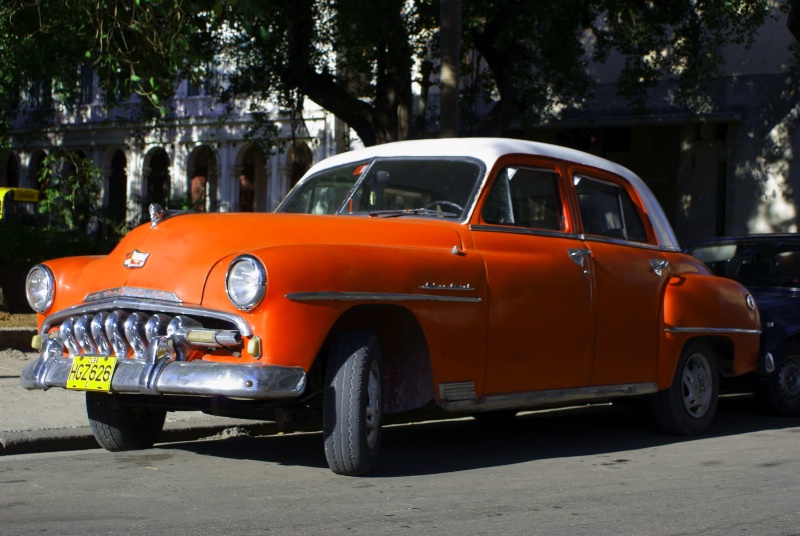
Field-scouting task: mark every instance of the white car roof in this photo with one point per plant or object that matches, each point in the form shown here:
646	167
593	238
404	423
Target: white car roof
488	150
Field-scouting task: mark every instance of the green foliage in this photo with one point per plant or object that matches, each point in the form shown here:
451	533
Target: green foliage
72	191
24	245
524	60
135	48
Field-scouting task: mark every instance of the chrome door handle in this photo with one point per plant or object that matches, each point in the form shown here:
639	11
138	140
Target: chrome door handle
579	257
659	265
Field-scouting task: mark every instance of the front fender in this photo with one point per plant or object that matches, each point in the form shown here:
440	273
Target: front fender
69	274
309	287
707	306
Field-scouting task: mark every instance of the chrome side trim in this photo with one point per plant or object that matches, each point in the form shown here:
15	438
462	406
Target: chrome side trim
374	296
134	303
532	399
714	330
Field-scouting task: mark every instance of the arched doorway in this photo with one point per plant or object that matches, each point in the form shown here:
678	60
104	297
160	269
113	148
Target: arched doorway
300	158
203	179
157	178
117	200
34	169
10	171
247	180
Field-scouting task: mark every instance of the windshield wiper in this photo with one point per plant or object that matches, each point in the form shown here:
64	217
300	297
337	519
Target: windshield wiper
411	212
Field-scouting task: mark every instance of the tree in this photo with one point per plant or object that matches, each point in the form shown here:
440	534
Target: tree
357	59
793	20
534	55
135	47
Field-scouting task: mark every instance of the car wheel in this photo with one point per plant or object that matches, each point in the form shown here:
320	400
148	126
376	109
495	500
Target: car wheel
781	391
117	428
689	405
353	407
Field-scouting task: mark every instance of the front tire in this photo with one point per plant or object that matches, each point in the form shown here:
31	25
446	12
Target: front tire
689	405
118	428
781	390
353	407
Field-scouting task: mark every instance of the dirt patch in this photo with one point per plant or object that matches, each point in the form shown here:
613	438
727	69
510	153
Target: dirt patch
16	320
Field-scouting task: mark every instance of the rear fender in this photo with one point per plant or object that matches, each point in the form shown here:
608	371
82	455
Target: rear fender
717	309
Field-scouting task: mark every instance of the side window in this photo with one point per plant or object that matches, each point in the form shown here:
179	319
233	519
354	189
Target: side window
608	210
525	197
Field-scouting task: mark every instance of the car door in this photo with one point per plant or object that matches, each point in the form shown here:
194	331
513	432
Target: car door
628	278
540	304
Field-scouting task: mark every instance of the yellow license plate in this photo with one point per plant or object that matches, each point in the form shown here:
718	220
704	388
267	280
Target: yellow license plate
92	373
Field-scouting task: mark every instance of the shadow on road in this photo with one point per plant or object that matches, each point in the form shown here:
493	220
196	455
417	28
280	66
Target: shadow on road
430	448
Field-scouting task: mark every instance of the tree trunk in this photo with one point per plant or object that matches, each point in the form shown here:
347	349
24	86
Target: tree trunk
450	20
793	21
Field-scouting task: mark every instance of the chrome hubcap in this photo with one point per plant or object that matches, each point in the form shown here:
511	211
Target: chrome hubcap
789	379
697	385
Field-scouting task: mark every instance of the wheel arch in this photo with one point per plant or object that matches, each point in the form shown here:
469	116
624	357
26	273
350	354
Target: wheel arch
724	350
408	377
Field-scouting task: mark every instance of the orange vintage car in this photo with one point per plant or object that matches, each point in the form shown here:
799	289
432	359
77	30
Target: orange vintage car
482	276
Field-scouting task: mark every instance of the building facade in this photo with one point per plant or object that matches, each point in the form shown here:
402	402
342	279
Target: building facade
201	158
728	170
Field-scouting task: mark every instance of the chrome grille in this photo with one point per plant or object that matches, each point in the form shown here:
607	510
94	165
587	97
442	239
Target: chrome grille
125	333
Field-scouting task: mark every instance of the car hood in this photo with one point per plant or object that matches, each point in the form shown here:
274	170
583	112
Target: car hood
177	254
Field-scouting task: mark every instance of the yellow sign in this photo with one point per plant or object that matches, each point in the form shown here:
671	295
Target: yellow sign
18	201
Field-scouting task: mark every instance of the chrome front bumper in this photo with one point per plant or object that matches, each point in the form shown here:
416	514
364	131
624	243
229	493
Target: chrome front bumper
159	373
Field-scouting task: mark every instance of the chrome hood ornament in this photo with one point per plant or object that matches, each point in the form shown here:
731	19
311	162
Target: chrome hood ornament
157	213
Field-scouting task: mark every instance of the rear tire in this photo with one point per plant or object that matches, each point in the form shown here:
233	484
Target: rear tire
781	390
118	428
353	407
689	405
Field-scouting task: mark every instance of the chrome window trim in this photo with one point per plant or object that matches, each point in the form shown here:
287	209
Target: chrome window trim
139	304
713	330
574	236
375	296
621	242
511	229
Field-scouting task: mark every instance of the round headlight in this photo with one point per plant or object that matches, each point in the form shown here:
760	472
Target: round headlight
246	282
40	288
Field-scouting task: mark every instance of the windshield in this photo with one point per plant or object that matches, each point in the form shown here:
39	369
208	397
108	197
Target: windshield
775	264
430	187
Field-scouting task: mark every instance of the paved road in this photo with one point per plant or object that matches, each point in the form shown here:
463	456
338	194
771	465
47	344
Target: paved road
595	471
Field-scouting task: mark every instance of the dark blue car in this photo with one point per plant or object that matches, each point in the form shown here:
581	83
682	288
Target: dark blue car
769	266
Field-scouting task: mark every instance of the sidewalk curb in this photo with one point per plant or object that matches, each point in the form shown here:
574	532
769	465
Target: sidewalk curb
17	338
80	438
